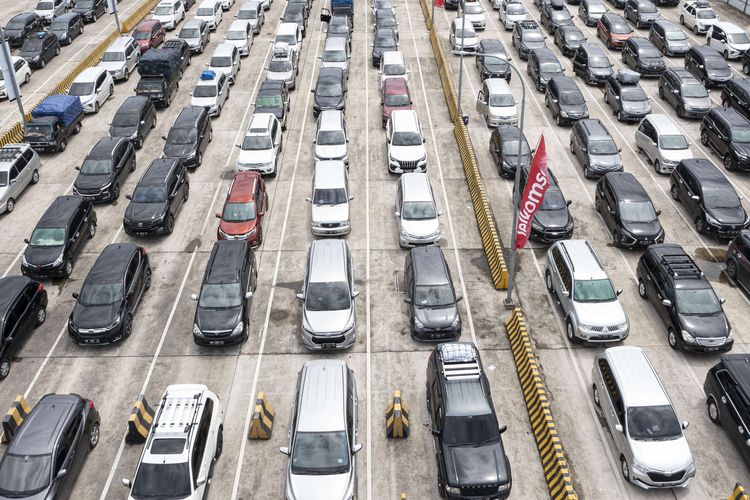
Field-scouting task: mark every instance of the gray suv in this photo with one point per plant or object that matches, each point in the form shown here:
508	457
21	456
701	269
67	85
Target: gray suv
19	167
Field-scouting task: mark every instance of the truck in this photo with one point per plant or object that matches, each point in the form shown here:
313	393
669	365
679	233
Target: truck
160	70
338	8
53	121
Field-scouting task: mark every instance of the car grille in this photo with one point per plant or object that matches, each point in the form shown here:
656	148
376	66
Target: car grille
216	333
479	491
659	477
710	341
336	339
330	225
408	165
604	329
143	226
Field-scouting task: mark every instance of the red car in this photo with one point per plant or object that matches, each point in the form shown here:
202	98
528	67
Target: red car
613	30
149	34
244	208
395	96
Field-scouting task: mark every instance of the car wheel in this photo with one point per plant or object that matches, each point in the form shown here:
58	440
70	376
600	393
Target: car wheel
657	166
732	268
586	172
682	20
548	282
127	326
35	177
729	163
219	442
695	30
147	279
210	135
41	315
153	122
672	338
187	192
63	145
43	63
713	410
199	159
624	468
92	230
570	332
190	60
597	204
96	107
169	226
620	116
546	101
68	267
28	77
638	24
704	137
745	69
700	225
138	145
606	97
126	75
675	194
595	395
616	239
680	111
558	120
94	435
10	205
726	54
77	129
4	368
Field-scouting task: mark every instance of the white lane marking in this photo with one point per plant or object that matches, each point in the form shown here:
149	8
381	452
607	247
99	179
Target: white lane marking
368	340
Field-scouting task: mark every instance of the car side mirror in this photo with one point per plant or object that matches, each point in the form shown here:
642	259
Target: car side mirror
193	296
407	300
658	213
565	293
75	295
351	197
666	303
77	167
61	473
502	428
355	294
125	482
619	291
218	215
722	300
308	199
696	197
284	450
248	295
619	150
201	481
568	202
128	197
190	94
356	448
618	427
301	296
164	137
685	424
436	432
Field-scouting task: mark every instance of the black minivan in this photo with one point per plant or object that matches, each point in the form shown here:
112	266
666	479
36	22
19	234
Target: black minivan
627	211
504	143
708	66
552	221
542	66
565	100
67	27
189	136
158	197
40	48
104	169
736	94
134	119
727	133
592	64
23	307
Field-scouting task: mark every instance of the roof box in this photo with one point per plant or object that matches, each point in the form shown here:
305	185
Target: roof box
627	76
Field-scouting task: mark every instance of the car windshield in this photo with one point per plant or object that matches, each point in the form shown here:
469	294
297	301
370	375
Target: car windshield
15	25
406	139
161	480
676	36
532	36
593	291
510	147
418	210
599	62
329	196
150	85
597	9
3	179
81	88
150	194
647	8
256	143
329	88
142	34
620	28
113	56
281	66
220	62
331	137
205	91
653	423
239	212
100	294
236	35
220	295
59	26
572	98
649	53
502	100
553	200
573	35
327	296
96	166
515	9
37	130
338	28
738	38
637	211
248	14
697	301
633	94
694	90
334	56
560	15
396	100
44	6
269	101
720	197
190	32
287	39
163	10
205	12
470	430
394	69
494	61
672	142
47	237
32	45
603	147
387	41
741	134
320	453
24	475
85	4
386	22
182	136
716	63
434	296
473	8
550	67
706	14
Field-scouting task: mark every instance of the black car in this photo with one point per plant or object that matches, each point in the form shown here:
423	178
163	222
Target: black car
568	39
385	39
542	66
433	304
590	11
340	26
619	4
178	45
58	238
565	100
746	62
668	38
684	92
104	169
21	26
727	389
23	307
527	36
222	316
385	19
492	60
134	120
110	295
684	299
504	148
738	259
552	221
157	198
627	211
736	94
67	27
592	64
709	198
727	133
303	3
626	97
594	148
273	97
40	48
189	136
330	90
553	15
295	13
708	66
641	13
641	55
90	10
467	440
49	450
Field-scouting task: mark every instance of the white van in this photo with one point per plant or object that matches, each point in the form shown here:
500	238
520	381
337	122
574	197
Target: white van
210	11
226	59
50	9
662	142
416	211
330	213
728	39
93	86
169	12
496	104
240	34
392	65
291	35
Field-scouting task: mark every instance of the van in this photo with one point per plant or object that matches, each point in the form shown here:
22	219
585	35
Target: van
291	35
627	211
94	86
496	104
330	212
592	64
121	57
48	10
67	27
594	148
728	39
417	211
335	55
134	120
323	432
226	59
331	137
466	40
662	142
668	38
392	65
647	435
708	66
169	12
240	34
211	12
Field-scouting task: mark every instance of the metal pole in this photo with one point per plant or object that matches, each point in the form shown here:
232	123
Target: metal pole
12	80
461	64
112	7
432	16
117	22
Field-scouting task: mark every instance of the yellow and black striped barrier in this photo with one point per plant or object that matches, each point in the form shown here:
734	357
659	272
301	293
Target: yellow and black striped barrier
402	496
261	424
12	420
396	418
140	421
738	493
554	463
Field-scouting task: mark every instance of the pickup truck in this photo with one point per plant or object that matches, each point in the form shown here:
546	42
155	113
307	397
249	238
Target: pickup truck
53	121
161	70
340	8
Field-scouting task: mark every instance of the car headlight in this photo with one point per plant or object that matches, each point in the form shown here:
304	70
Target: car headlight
35	58
535	226
453	490
740	155
585	328
563	114
114	323
418	323
730	336
238	329
622	326
404	233
191	155
640	468
455	321
711	220
316	224
687	337
58	260
196	330
24	262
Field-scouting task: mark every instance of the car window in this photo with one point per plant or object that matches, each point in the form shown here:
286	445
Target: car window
132	270
201	439
612	389
66	443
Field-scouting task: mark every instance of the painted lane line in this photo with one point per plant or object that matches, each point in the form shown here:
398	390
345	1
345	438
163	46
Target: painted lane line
368	297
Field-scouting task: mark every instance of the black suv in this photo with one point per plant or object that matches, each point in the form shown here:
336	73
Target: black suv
736	94
708	66
542	66
134	119
594	148
494	60
684	299
330	90
104	169
565	100
709	197
627	211
109	297
273	97
504	149
21	26
592	64
642	56
552	220
569	38
23	307
727	390
58	238
527	36
467	439
90	10
430	294
157	198
554	14
738	260
384	39
684	92
668	38
728	133
189	136
46	455
626	97
40	48
222	316
642	13
67	27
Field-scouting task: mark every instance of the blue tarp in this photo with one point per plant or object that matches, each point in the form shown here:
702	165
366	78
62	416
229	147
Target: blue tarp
66	107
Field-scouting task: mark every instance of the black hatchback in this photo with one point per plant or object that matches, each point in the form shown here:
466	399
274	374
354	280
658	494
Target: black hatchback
110	295
104	169
569	38
40	48
565	100
134	119
67	27
23	307
189	136
58	238
627	211
504	142
158	197
626	97
330	91
21	26
727	133
592	64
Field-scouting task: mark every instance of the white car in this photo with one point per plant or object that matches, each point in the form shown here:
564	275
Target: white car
226	59
121	57
50	9
252	12
227	4
330	213
698	16
331	139
466	40
405	142
169	12
240	34
93	86
728	39
211	12
474	13
283	66
512	13
23	75
261	145
211	92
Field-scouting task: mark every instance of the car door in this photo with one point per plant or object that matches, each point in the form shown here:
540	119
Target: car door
649	279
201	453
692	188
66	458
611	402
733	412
688	16
743	260
722	139
133	283
609	207
716	38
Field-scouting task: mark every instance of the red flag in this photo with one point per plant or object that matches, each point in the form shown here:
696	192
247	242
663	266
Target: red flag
438	3
533	194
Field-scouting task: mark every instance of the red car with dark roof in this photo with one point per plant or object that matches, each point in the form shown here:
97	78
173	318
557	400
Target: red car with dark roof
244	209
149	34
395	96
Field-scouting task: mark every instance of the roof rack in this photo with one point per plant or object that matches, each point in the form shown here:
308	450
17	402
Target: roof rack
681	266
178	414
9	153
460	361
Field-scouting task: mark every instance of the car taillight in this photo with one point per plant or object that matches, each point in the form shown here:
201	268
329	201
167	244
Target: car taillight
40	288
91	404
143	249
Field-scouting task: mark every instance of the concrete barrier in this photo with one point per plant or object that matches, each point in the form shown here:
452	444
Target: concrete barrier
13	419
140	421
396	418
261	424
738	493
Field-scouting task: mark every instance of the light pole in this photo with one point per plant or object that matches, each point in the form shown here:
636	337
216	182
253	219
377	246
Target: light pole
461	65
112	6
9	75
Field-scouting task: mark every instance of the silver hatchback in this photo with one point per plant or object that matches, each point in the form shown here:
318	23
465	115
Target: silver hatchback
19	167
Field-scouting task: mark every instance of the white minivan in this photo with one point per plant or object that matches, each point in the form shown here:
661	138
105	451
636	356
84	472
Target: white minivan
392	65
226	59
169	12
240	34
210	11
93	86
728	39
50	9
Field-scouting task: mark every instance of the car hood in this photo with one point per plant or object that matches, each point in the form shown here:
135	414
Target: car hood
475	465
643	229
600	313
677	155
421	228
123	131
605	160
469	41
330	152
238	227
639	106
203	101
408	153
514	161
95	181
278	75
323	487
733	216
552	219
698	102
648	16
533	45
218	319
40	256
575	109
715	325
112	65
178	150
94	316
603	72
742	148
328	102
573	44
503	111
42	495
724	73
330	213
322	322
665	456
255	156
742	47
437	317
145	212
29	54
193	42
475	18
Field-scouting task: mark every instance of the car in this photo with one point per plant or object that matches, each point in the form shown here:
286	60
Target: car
121	57
245	207
179	49
736	94
94	86
329	91
746	62
48	10
726	390
642	13
295	14
183	444
504	149
495	103
149	34
576	278
738	260
474	13
261	145
253	14
189	136
226	4
283	66
158	197
728	39
492	60
542	66
386	19
684	92
591	11
527	36
613	30
684	300
384	40
392	65
329	313
709	199
23	308
592	64
340	26
462	36
211	92
727	133
405	143
226	60
322	440
459	398
331	137
22	26
211	12
240	33
668	38
377	5
626	97
568	39
90	10
169	13
416	211
511	13
642	56
553	15
104	169
396	96
273	97
552	221
58	238
40	48
594	148
197	34
19	167
627	211
565	100
329	201
650	445
67	27
698	16
662	142
336	55
708	66
134	120
23	74
289	34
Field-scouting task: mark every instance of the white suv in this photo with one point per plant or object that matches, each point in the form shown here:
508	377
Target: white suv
185	440
260	148
169	12
211	92
23	75
698	16
121	57
93	86
405	140
728	39
331	139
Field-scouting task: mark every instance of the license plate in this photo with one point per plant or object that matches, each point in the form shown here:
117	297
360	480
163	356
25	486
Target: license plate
216	342
92	341
709	349
329	346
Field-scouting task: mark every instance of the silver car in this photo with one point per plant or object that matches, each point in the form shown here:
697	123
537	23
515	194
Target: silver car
19	167
283	65
330	213
416	211
662	142
336	55
331	138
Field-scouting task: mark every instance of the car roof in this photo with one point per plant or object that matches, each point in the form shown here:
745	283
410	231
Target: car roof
594	128
287	28
90	74
738	365
104	147
133	103
405	119
41	429
429	266
465	398
188	116
120	42
321	405
705	171
626	187
331	175
193	23
592	49
329	72
389	56
683	75
544	54
613	17
60	210
640	42
238	25
242	188
337	43
226	261
226	48
68	16
327	261
565	83
331	119
148	23
158	171
638	383
663	123
415	186
259	123
731	116
497	85
667	24
586	265
395	85
706	51
10	287
729	27
509	133
491	44
112	263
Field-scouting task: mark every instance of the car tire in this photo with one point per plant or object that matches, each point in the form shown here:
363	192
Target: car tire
616	239
726	55
695	30
77	128
169	225
713	410
92	230
700	225
606	97
138	144
10	205
595	396
41	315
704	137
548	282
63	145
68	267
682	20
153	122
657	167
126	75
127	326
558	120
672	338
27	78
147	277
732	268
96	107
624	468
729	163
115	191
219	442
570	333
35	176
675	194
210	135
620	116
94	435
199	159
4	368
642	289
597	204
680	111
586	171
42	63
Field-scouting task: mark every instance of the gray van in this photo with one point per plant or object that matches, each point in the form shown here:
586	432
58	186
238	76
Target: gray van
335	55
594	148
19	167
